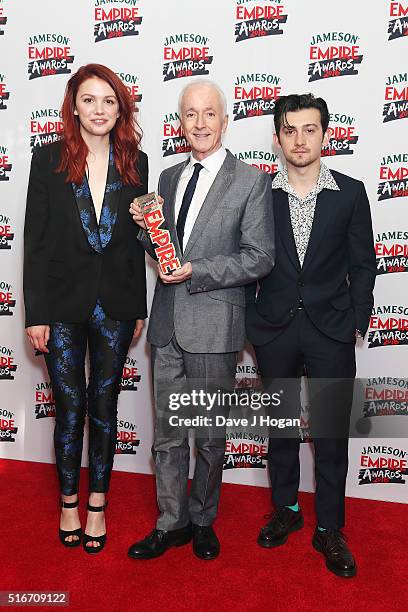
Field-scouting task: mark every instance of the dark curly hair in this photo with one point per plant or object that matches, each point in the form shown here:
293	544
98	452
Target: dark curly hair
295	102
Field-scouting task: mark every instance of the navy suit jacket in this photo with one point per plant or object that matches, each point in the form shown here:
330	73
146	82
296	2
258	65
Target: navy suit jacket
337	278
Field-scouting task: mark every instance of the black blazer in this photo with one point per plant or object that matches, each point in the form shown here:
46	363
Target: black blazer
337	278
63	274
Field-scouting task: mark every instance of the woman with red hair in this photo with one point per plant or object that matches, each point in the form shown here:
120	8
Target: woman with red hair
84	280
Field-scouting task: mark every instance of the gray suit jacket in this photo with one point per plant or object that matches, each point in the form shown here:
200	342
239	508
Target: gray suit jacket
231	244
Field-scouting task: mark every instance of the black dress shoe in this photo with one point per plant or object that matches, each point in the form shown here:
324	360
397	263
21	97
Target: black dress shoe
283	522
332	544
205	543
158	541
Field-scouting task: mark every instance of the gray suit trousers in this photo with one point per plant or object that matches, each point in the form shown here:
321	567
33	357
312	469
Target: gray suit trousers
175	370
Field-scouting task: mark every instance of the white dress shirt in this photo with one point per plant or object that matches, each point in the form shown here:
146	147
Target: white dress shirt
211	166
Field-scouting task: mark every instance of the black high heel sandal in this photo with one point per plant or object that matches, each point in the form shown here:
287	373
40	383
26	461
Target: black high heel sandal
88	538
76	532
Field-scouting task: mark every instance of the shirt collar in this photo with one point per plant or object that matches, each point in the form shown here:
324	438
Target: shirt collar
325	181
212	163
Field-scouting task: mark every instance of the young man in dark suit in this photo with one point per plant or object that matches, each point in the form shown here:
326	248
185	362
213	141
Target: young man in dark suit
307	315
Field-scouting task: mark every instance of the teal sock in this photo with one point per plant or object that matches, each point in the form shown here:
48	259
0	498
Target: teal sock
295	508
321	528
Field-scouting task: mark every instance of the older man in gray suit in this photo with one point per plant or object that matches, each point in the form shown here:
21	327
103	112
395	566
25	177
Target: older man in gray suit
219	213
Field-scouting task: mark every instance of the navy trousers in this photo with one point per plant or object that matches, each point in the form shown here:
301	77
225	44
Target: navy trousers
108	342
331	368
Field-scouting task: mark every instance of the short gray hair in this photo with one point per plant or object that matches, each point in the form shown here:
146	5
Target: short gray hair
208	83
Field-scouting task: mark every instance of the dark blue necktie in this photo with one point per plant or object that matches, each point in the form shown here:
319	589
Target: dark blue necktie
185	205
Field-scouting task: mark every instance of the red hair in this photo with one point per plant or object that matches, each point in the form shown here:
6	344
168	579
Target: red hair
125	137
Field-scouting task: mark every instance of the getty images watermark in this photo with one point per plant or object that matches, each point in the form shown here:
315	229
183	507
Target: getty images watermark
222	401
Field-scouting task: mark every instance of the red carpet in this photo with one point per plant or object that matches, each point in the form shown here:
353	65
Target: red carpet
244	577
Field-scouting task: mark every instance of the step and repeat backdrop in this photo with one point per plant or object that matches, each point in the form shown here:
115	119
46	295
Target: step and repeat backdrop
354	54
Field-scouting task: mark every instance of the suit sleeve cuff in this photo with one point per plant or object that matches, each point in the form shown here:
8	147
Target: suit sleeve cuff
196	283
143	235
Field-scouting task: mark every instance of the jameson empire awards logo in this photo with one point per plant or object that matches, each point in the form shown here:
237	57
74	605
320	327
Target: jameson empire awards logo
264	160
385	396
130	375
45	127
343	137
44	401
126	441
245	450
247	376
255	95
132	83
48	55
393	177
7	301
333	54
391	249
8	428
398	24
5	165
174	141
258	18
7	365
4	94
6	233
3	19
382	464
186	55
121	19
388	326
396	98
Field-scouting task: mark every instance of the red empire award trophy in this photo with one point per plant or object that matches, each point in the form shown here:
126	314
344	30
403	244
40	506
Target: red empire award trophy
163	245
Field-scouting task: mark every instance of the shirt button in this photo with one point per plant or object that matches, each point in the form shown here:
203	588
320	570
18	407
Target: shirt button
301	284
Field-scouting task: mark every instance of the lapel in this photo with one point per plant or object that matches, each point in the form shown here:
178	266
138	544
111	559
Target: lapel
284	224
170	202
87	214
99	237
325	210
109	212
218	188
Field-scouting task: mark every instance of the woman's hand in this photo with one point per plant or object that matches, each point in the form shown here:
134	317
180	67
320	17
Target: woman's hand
39	336
138	329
